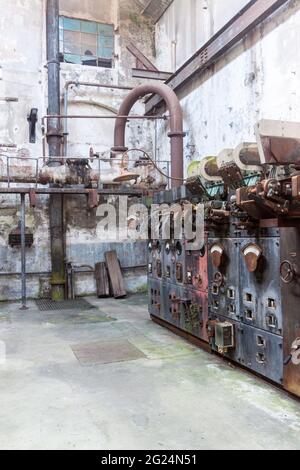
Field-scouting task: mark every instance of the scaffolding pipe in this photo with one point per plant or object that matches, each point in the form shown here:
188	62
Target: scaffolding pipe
23	252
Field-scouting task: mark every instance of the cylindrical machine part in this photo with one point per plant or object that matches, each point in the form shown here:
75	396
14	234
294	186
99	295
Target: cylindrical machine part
219	214
211	167
209	170
249	155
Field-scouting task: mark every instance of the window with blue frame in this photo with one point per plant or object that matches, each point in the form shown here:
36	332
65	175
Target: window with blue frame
86	42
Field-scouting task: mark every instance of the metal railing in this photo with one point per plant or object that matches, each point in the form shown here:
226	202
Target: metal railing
96	164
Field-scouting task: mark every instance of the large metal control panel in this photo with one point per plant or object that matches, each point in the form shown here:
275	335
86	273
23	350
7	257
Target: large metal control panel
240	293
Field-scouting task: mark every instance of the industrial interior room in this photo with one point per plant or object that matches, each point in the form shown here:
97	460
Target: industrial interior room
149	227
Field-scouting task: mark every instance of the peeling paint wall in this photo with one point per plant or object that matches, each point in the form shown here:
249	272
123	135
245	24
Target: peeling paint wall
187	25
23	76
260	78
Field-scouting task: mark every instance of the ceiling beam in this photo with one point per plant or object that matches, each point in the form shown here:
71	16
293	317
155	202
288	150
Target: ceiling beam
150	74
232	33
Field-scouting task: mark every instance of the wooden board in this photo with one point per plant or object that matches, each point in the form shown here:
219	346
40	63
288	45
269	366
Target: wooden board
115	274
102	280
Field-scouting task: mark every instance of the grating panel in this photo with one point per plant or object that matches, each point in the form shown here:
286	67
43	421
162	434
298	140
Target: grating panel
106	352
45	305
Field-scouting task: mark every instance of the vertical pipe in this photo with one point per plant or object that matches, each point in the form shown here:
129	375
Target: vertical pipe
155	142
23	252
66	97
54	142
53	64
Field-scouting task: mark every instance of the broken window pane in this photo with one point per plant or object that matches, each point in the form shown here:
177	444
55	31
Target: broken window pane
86	42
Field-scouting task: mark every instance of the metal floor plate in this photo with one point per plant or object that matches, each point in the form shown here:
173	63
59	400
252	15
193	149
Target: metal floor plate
46	305
106	352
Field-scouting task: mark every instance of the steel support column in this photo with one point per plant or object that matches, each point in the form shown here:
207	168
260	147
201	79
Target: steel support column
23	252
54	142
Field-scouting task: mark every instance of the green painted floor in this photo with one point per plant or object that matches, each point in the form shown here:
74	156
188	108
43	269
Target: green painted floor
173	397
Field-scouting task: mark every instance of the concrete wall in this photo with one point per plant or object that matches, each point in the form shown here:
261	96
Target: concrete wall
259	78
187	25
23	76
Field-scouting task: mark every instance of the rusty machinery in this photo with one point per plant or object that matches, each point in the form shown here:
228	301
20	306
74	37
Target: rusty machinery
240	293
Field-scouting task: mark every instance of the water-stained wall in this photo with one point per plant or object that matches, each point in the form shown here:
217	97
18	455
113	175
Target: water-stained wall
23	85
258	79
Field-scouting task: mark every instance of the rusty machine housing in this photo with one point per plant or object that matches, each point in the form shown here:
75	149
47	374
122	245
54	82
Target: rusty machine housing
239	295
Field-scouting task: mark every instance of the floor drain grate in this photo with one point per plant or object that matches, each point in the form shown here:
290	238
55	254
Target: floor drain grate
45	305
106	352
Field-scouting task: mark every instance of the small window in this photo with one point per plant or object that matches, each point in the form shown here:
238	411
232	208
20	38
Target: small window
231	309
271	303
249	315
261	342
215	289
248	297
86	42
231	294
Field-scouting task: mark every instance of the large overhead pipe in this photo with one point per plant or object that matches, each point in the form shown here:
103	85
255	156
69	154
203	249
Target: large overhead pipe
176	133
54	142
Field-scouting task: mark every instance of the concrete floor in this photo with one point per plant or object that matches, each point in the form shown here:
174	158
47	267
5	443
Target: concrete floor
176	397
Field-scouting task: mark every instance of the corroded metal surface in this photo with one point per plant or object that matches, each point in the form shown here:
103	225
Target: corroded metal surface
247	277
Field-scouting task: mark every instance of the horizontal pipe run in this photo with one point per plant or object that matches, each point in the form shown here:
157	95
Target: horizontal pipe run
97	85
109	192
80	116
2	274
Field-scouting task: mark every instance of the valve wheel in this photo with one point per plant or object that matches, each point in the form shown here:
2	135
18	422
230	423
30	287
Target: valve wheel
287	272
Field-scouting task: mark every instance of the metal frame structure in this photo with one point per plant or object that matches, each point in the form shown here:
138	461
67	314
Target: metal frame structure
253	14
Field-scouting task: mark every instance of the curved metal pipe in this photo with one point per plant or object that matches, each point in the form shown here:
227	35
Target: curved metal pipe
176	133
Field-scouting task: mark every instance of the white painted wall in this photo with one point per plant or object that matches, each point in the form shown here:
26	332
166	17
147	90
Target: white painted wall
23	76
187	25
260	78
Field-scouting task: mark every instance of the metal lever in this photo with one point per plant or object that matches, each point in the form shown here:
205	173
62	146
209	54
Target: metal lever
32	119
